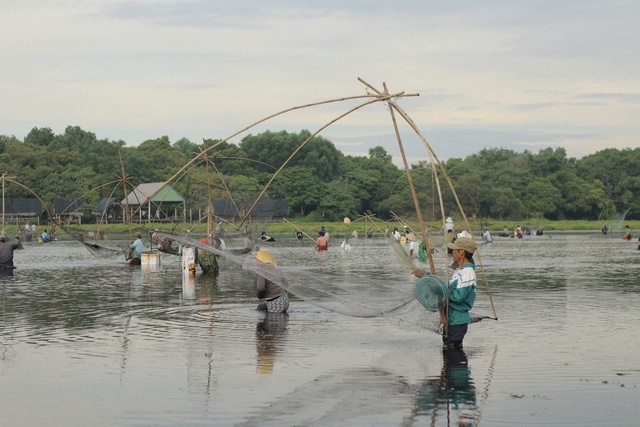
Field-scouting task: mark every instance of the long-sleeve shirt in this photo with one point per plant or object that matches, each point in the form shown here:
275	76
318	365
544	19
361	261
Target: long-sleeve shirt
462	294
137	247
6	253
264	286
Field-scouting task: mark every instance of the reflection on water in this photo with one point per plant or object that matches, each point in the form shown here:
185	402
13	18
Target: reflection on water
90	341
452	396
270	334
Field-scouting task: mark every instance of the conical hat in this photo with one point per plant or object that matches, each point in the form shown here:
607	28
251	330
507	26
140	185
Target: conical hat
347	221
265	255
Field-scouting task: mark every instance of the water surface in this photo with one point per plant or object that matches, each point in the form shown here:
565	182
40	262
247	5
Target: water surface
87	341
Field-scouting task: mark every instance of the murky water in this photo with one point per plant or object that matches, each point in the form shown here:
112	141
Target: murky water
86	341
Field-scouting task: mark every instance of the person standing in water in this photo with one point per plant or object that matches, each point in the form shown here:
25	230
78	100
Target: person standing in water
6	253
273	295
322	244
486	235
136	250
462	291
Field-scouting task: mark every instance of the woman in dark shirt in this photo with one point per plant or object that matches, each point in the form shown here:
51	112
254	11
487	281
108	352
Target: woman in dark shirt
269	284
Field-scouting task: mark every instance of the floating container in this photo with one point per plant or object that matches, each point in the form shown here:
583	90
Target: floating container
150	259
188	260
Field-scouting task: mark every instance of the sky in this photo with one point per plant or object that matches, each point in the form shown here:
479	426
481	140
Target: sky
520	75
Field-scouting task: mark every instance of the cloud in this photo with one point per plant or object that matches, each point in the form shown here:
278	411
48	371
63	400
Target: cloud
518	74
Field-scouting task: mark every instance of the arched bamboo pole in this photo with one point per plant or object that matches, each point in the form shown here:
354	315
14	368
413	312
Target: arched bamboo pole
443	312
412	124
299	107
30	191
300	148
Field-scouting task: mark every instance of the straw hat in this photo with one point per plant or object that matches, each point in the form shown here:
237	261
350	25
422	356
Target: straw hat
265	255
464	243
449	220
138	235
412	237
347	221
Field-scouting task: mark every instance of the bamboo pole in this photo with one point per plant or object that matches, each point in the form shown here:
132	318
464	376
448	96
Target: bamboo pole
443	313
191	162
264	190
126	196
295	227
412	124
32	192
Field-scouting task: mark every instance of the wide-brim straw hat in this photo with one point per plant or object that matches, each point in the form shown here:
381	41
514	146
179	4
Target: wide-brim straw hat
265	255
412	237
347	221
465	243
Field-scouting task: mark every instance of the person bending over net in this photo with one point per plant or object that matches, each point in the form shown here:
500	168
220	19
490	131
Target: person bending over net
462	290
136	247
269	284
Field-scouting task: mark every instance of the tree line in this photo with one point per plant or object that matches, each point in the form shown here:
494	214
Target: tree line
321	183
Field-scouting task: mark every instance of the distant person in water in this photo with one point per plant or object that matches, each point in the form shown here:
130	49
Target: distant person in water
322	244
45	237
136	250
266	238
269	284
299	235
413	244
627	233
396	234
605	229
486	235
6	253
448	225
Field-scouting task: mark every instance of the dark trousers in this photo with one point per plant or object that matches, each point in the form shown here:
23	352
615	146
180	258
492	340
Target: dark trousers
455	335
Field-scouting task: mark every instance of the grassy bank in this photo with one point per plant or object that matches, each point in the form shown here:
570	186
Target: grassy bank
312	228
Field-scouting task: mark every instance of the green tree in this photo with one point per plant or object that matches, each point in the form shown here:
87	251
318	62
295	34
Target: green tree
379	153
41	137
274	148
543	198
302	190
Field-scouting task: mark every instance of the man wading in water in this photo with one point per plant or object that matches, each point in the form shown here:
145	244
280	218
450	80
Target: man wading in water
462	290
6	253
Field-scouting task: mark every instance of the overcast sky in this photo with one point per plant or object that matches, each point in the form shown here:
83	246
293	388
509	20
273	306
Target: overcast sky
513	74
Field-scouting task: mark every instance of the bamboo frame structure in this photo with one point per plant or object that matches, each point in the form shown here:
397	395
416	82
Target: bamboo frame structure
371	98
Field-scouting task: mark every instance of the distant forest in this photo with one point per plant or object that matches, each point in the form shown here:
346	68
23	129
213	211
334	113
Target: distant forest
321	183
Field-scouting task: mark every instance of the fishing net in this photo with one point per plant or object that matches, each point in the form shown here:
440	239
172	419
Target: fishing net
97	243
380	287
430	292
370	281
